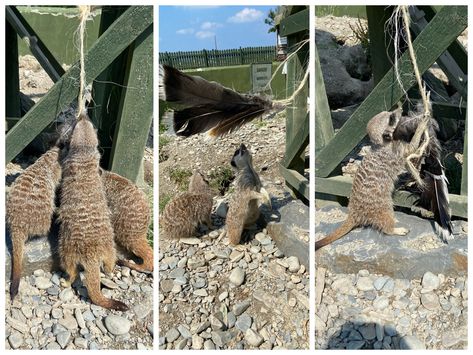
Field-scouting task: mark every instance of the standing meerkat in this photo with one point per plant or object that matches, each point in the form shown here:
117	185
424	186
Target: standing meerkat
130	217
183	214
30	207
86	233
371	201
243	210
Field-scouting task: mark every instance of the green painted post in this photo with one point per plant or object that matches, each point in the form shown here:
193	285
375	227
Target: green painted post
136	110
464	185
12	80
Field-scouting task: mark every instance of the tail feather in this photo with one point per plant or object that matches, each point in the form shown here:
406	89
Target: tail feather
209	106
341	231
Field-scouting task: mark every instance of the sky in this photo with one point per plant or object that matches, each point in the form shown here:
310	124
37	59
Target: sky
191	28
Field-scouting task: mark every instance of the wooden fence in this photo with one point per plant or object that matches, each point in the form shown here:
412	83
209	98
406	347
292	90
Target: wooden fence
218	58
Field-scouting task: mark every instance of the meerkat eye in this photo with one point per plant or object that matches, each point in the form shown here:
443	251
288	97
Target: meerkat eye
392	119
387	137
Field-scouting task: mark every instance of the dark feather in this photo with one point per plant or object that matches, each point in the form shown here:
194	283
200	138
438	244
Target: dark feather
209	106
434	195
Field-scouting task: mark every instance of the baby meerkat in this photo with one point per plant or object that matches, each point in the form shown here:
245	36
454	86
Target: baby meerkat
130	218
86	233
371	202
243	210
30	207
183	214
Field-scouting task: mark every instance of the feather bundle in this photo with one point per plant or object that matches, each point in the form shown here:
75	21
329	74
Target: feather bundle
434	195
208	106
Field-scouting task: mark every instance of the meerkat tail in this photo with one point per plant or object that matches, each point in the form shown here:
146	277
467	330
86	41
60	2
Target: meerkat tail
341	231
143	251
440	205
92	283
18	245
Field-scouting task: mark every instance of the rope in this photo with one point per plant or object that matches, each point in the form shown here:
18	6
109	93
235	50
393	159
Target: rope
84	12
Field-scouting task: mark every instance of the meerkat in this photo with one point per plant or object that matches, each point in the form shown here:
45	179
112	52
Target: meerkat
243	210
371	195
30	207
184	213
130	217
86	232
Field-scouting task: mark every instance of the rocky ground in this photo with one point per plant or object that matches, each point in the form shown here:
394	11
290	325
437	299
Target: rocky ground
370	309
45	315
373	311
216	296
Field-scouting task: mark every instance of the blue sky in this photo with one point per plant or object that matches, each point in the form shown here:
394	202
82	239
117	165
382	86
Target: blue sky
190	28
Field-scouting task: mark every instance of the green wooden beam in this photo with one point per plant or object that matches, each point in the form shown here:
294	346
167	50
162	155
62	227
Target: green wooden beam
37	47
12	76
107	88
297	145
297	22
464	185
429	45
118	37
341	186
323	118
456	49
136	110
297	181
381	46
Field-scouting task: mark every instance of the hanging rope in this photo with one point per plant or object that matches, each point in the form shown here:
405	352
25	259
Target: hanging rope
84	12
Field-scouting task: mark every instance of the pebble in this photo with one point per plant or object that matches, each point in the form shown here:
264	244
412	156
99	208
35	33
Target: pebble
237	277
381	302
293	264
63	338
190	241
16	340
43	282
244	322
368	332
411	342
172	335
117	325
66	295
430	301
81	343
241	307
364	284
430	282
253	338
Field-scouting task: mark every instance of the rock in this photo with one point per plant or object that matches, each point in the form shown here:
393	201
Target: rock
186	334
355	345
244	322
237	277
411	342
16	340
190	241
430	301
379	282
368	332
63	338
430	281
66	295
172	335
253	338
221	209
364	284
293	264
241	307
81	343
69	322
381	302
117	325
197	342
43	283
209	345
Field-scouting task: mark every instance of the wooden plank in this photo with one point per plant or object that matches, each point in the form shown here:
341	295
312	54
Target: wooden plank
464	185
456	49
136	110
297	181
341	186
108	88
381	45
323	119
37	47
439	33
12	76
445	61
119	36
297	22
297	146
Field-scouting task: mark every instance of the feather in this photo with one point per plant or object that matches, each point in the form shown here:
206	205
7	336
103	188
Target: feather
434	196
209	106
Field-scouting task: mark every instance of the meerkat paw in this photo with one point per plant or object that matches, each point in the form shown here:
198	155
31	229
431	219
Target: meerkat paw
65	283
400	231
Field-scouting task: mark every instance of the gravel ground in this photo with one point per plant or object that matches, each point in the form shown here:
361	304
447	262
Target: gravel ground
367	311
47	316
214	296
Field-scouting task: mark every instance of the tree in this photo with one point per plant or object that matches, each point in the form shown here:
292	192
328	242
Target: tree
270	19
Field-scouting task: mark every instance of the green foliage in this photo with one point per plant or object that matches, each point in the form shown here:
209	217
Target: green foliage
360	32
270	19
163	201
221	178
180	177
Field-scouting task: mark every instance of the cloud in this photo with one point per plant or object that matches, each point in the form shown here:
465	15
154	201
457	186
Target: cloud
246	15
210	25
185	31
204	34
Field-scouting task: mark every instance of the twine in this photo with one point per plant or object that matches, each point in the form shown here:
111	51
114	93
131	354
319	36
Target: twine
84	12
